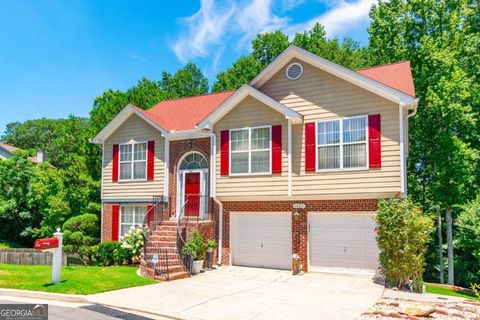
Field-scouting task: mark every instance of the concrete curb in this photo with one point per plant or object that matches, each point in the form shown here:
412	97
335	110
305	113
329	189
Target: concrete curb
72	298
44	295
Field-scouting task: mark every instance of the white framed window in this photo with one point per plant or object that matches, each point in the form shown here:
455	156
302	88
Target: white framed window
133	161
250	150
342	143
131	216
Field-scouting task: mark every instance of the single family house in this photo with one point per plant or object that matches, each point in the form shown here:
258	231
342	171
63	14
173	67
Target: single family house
293	162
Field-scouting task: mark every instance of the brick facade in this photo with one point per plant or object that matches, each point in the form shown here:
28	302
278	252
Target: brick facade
178	148
299	223
106	232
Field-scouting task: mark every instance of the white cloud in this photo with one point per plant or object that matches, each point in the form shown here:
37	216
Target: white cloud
257	17
205	28
343	17
216	23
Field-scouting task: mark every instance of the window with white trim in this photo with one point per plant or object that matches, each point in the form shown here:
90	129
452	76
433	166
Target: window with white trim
250	150
133	161
131	217
342	143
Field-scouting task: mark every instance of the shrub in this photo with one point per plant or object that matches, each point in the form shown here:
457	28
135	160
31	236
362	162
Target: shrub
105	253
122	256
467	244
133	242
80	236
402	237
195	246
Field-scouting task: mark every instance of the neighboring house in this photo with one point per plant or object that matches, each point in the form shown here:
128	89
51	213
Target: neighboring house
6	152
291	163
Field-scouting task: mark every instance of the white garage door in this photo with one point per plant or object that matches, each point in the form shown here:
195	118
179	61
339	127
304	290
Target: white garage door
342	242
261	239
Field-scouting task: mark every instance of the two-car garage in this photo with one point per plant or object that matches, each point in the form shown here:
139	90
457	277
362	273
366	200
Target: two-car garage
337	241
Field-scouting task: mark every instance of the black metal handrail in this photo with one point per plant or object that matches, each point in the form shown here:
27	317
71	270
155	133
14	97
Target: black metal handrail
156	214
158	261
195	208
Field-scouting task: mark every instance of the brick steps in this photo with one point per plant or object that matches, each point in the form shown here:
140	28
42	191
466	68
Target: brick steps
163	237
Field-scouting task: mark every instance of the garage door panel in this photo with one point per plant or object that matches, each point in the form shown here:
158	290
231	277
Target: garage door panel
342	241
261	239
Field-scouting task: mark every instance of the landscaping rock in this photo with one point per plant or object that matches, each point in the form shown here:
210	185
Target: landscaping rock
416	309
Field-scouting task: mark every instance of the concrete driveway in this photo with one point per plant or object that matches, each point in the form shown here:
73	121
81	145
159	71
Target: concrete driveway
251	293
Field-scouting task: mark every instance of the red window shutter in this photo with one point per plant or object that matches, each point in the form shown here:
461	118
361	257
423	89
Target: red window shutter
115	222
115	163
374	138
150	160
310	161
149	213
224	152
277	149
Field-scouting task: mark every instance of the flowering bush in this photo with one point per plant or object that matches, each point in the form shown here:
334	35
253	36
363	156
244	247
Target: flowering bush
132	244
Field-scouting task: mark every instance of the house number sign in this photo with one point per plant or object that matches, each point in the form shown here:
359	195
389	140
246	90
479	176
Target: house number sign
299	206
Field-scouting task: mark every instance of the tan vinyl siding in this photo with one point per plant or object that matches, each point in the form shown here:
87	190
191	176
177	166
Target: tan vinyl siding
320	95
134	129
250	113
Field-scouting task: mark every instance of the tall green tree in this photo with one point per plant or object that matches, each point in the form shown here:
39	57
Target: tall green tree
186	82
347	53
441	40
267	46
16	207
242	71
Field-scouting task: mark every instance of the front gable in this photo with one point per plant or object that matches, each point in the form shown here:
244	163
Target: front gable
318	94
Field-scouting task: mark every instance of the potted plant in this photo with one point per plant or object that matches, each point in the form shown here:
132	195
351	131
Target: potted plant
210	245
195	247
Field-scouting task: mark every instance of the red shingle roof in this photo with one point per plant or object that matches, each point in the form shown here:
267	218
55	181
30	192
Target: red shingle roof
8	147
396	75
185	113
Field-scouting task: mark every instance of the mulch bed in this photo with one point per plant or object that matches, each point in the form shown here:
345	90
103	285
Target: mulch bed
389	308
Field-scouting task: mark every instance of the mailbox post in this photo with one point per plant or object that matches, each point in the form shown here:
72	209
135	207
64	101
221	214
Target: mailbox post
53	245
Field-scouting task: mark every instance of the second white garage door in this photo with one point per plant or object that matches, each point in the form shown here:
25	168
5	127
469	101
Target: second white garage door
261	239
342	242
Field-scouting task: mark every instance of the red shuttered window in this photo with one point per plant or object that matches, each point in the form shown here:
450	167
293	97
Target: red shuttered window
115	163
115	221
277	149
151	160
310	161
374	141
224	152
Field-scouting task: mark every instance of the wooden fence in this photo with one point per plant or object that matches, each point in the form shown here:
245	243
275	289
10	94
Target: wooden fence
28	256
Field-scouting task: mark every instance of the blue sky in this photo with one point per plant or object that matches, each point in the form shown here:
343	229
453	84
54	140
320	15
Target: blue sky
57	56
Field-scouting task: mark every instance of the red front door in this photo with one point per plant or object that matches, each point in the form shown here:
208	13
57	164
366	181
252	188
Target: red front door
192	194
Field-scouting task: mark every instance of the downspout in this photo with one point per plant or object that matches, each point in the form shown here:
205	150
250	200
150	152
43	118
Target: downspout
213	191
101	189
166	157
403	118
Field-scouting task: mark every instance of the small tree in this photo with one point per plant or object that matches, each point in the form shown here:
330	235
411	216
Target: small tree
403	235
80	236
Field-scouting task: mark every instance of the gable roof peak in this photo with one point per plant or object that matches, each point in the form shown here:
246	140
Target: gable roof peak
372	84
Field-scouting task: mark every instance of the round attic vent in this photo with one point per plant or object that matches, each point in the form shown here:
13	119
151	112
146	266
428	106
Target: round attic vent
294	71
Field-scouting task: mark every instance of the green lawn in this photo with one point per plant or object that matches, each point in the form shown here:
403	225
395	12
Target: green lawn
74	280
450	292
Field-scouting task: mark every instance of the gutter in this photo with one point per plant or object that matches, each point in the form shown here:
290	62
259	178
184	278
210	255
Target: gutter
213	191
